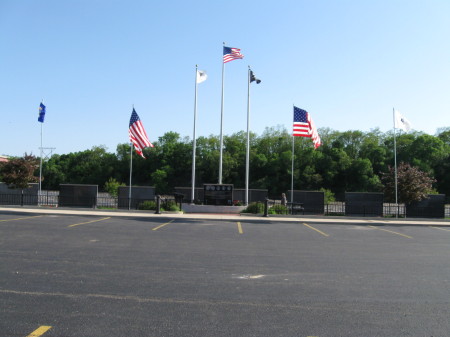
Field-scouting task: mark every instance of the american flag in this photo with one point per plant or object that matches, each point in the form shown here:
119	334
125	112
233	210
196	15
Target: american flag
230	54
137	134
304	126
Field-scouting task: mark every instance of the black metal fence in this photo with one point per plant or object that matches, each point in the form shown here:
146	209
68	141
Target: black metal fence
274	207
101	201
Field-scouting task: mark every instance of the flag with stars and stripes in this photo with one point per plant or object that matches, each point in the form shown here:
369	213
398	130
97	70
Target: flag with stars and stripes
304	126
230	54
137	134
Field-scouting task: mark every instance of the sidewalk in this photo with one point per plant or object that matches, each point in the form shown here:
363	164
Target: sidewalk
229	217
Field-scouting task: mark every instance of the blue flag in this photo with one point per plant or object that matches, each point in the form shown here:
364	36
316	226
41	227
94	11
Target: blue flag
41	113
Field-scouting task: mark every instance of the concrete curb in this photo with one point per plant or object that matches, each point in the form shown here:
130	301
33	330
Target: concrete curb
228	217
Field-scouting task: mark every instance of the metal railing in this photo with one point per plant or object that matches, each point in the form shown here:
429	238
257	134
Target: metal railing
274	207
269	206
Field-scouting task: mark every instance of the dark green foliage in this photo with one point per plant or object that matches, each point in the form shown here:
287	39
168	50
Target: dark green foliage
147	205
166	205
255	208
112	187
278	209
170	205
351	161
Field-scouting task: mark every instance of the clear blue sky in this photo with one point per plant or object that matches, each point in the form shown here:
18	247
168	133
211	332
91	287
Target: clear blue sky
349	63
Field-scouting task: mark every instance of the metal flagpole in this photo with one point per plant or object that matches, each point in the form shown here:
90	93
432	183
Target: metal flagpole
395	165
194	142
221	123
247	155
40	165
292	171
131	170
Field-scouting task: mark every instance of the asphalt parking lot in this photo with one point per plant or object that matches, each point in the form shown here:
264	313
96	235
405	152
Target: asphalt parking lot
89	275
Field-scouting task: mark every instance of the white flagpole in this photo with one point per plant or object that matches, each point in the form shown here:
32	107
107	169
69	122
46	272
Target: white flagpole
395	165
40	165
131	170
221	123
292	171
194	142
247	155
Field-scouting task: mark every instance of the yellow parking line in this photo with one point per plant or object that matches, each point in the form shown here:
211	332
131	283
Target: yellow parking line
240	228
28	217
386	230
315	229
84	223
442	229
164	224
40	331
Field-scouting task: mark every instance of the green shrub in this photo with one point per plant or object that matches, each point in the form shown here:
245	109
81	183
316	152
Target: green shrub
254	207
173	208
147	205
169	205
278	209
328	196
112	187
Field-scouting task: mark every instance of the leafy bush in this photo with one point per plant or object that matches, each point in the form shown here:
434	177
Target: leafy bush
278	209
254	207
328	196
147	205
172	208
112	187
169	205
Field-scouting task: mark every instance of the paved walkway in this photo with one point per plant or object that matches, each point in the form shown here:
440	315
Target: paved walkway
232	217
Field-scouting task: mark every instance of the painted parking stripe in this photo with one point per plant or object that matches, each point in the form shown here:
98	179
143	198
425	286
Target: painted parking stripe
28	217
40	331
164	224
84	223
240	228
442	229
315	229
392	232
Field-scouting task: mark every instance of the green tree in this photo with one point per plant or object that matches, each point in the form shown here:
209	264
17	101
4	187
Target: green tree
112	187
93	166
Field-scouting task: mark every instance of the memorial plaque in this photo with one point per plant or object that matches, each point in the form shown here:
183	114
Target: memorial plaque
364	203
138	195
313	201
431	207
218	194
17	196
74	195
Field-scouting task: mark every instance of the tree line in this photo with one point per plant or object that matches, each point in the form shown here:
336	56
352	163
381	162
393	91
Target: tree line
350	161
